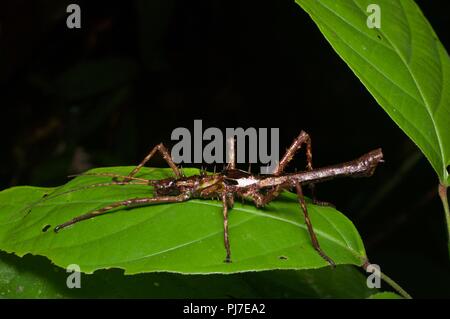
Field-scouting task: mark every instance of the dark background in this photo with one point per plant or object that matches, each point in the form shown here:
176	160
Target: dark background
104	94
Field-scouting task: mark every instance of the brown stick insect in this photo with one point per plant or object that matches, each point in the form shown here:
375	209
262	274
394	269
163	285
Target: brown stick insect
232	183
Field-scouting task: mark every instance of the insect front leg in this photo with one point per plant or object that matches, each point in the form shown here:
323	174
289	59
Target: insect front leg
311	232
125	203
302	139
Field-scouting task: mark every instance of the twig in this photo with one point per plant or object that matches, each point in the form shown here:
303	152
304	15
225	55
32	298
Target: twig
390	282
444	199
395	285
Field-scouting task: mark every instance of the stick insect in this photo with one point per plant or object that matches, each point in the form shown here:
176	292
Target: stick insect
233	183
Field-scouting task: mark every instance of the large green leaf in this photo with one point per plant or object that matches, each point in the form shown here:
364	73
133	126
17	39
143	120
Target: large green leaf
402	64
385	295
35	277
183	237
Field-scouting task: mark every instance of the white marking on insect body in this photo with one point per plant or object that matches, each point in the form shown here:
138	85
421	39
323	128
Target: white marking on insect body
244	182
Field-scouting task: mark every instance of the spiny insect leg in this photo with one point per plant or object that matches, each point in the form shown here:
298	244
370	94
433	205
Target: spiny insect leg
302	139
165	154
225	228
261	199
311	232
128	202
258	199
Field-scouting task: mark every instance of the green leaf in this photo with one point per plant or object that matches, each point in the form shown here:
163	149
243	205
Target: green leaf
182	237
20	278
35	277
403	65
385	295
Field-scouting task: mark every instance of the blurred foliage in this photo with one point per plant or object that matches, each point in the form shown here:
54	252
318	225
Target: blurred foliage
36	277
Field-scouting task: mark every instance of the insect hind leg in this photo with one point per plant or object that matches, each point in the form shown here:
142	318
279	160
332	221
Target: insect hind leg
126	203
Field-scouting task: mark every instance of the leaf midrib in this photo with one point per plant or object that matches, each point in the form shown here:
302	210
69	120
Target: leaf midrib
343	244
416	82
413	77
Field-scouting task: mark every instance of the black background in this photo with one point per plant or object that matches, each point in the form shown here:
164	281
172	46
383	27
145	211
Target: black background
104	94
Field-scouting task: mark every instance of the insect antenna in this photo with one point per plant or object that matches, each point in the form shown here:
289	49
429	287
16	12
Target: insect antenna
53	195
111	175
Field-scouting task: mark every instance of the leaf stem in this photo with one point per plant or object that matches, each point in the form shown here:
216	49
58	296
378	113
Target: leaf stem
444	199
390	282
395	286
